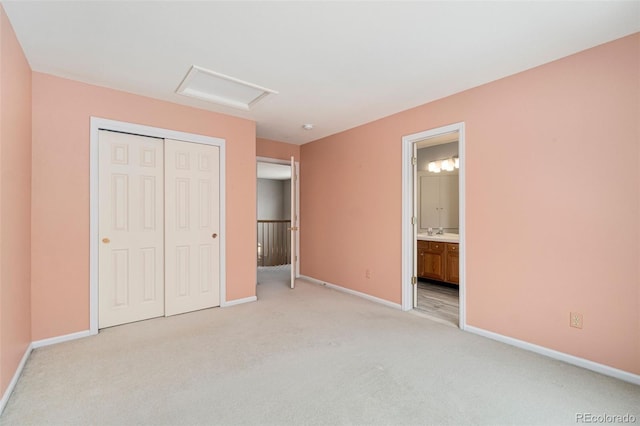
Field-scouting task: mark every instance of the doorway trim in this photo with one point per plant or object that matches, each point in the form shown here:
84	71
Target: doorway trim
408	246
98	124
297	212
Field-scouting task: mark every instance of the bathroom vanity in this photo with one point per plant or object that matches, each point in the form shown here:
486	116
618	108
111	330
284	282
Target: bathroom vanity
438	257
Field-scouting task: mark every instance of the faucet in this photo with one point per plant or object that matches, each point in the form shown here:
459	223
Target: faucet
440	231
429	231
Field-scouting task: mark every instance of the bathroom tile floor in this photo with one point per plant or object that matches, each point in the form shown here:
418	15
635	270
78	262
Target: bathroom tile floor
439	301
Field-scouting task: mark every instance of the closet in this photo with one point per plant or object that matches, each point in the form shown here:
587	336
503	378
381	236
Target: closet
159	216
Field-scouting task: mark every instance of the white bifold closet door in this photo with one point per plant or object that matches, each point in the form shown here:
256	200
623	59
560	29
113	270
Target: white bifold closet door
131	228
159	223
192	246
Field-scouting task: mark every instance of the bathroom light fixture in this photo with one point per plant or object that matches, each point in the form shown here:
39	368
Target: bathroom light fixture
307	126
448	165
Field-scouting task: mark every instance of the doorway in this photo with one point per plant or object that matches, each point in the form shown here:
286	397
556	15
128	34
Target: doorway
277	212
433	240
437	208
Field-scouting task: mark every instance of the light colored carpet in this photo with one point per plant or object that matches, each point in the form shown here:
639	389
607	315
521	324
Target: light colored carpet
311	355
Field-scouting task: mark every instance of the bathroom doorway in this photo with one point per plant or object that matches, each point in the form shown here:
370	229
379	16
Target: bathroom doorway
437	234
433	224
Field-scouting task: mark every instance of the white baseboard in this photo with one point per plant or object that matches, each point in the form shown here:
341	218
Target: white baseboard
353	292
561	356
239	301
60	339
14	380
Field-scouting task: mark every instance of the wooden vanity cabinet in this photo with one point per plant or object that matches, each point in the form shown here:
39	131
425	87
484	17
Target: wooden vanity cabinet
431	260
438	261
452	262
423	246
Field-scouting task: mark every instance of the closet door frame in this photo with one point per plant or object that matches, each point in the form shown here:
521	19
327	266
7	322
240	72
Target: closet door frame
98	124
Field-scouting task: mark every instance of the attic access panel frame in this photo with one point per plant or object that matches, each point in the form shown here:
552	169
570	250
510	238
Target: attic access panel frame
221	89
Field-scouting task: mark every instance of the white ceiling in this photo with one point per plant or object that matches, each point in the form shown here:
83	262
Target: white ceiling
335	64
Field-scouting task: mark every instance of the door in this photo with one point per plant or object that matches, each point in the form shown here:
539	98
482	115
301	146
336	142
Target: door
131	247
192	210
294	223
418	263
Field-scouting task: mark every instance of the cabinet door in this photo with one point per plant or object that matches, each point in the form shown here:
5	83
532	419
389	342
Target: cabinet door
434	261
453	264
422	247
433	266
439	205
429	202
449	201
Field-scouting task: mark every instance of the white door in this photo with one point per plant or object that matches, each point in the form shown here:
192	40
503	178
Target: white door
294	222
414	220
192	243
131	248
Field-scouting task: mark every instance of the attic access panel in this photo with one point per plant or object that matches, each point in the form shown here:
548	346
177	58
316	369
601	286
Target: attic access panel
221	89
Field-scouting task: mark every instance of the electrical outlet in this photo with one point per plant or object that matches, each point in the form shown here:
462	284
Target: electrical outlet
575	319
367	273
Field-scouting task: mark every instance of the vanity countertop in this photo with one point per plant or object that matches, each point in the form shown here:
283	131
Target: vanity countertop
445	238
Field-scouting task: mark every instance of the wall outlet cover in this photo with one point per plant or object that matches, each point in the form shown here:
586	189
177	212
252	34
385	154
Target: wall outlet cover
575	319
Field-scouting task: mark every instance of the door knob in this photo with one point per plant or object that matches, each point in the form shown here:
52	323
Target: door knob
106	240
214	235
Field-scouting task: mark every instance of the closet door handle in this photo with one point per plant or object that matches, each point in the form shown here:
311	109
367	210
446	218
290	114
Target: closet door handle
106	240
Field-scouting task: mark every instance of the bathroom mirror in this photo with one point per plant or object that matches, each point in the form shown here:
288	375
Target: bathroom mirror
437	184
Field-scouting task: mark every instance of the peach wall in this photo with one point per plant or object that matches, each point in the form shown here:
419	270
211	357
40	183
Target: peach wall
15	202
279	150
61	121
553	192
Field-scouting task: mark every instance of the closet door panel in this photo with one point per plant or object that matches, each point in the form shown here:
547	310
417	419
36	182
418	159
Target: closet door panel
131	230
192	246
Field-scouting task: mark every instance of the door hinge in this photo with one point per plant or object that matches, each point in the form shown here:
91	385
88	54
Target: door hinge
414	280
414	161
413	220
296	258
